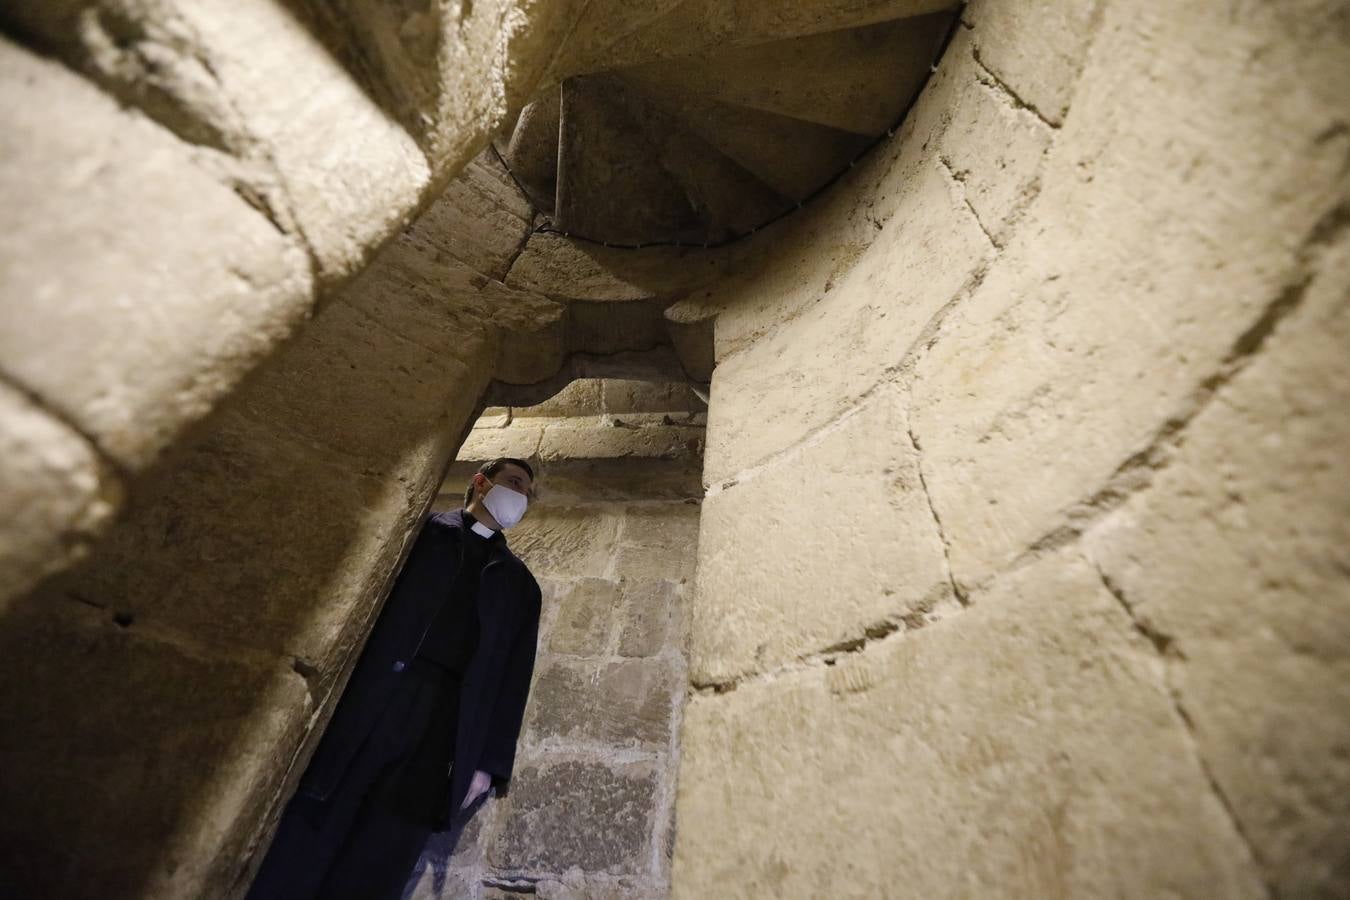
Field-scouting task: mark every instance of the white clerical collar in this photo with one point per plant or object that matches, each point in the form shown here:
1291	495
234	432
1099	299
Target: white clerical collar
482	530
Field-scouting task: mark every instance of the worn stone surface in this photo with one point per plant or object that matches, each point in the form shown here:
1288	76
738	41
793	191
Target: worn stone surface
650	615
573	541
843	541
626	703
144	347
1038	50
1021	405
59	493
550	800
1023	748
585	617
100	804
813	367
1234	558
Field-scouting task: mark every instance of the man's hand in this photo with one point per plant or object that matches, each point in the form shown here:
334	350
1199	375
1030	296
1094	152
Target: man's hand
481	782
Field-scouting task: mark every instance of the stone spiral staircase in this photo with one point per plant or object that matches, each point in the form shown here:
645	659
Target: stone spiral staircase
708	147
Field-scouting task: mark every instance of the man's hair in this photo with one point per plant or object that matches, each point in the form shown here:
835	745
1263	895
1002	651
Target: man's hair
491	468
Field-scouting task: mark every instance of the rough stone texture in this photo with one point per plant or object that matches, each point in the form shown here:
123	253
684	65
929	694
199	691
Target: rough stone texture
650	613
843	542
571	541
59	493
1040	49
550	802
585	617
1089	300
1256	640
1103	328
121	195
83	776
615	704
1098	290
1024	748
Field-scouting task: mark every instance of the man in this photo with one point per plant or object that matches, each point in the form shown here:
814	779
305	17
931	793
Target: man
431	715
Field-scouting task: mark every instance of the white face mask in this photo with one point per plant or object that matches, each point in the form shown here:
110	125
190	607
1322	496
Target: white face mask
507	506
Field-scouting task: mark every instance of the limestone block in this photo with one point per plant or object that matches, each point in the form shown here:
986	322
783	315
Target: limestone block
518	441
585	618
208	549
808	371
616	442
688	28
285	104
98	798
629	396
155	287
622	704
580	481
332	387
566	540
493	417
1037	50
649	615
571	887
547	801
480	219
580	398
659	542
833	540
554	266
671	527
995	148
1023	748
58	493
1096	332
1236	556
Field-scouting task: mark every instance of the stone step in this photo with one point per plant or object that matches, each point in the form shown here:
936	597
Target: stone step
858	80
695	26
531	149
632	174
792	156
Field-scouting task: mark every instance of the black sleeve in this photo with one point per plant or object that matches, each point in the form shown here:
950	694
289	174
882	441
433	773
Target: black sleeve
508	709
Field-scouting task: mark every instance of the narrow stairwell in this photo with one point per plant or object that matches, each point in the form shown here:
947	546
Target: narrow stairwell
709	147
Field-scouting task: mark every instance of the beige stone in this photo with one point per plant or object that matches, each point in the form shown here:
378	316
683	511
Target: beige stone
649	613
568	540
795	380
816	549
59	493
1038	50
518	441
1023	748
994	148
1235	557
629	396
585	618
580	702
580	398
687	28
1093	333
104	806
145	346
616	441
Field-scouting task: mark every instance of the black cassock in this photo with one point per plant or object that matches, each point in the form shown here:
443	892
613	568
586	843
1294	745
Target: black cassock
444	677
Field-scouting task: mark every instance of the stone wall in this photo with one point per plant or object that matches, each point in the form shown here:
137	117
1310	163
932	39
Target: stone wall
1022	567
612	541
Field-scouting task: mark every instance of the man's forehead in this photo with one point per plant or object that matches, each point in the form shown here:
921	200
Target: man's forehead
513	469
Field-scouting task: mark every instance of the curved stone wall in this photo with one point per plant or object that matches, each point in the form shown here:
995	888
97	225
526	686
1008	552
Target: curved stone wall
1020	567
